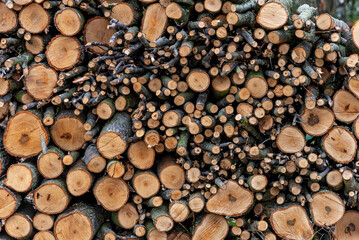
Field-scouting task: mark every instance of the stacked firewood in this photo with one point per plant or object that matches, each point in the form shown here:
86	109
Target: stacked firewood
178	120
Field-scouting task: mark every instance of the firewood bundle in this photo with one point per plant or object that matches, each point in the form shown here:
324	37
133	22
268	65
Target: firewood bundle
179	119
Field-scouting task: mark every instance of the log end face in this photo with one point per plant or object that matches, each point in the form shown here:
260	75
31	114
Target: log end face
272	15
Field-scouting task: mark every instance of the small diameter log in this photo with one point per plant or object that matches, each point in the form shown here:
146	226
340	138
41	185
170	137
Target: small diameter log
95	163
8	19
80	222
256	84
347	227
317	121
154	22
161	219
10	202
69	21
113	139
345	106
178	236
68	131
172	118
301	52
52	197
340	145
115	168
96	30
198	80
178	210
106	232
23	133
111	193
290	140
49	163
41	81
231	199
326	208
220	86
34	18
105	109
279	36
126	217
127	13
36	45
44	235
63	52
79	180
19	225
210	227
153	233
334	180
274	14
171	175
196	202
291	223
355	34
22	177
353	85
140	155
43	222
146	184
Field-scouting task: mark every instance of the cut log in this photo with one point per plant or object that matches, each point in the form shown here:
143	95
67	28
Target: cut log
44	235
140	155
43	222
210	227
49	163
274	14
347	227
106	109
154	22
291	223
94	161
326	208
41	81
153	233
161	219
63	52
178	236
113	139
69	21
198	80
10	202
353	86
111	193
340	145
196	202
127	13
290	140
345	106
126	217
19	225
231	200
171	175
8	19
79	180
34	18
79	222
318	121
52	197
23	133
115	169
36	45
106	232
22	177
178	210
146	184
256	84
68	131
96	30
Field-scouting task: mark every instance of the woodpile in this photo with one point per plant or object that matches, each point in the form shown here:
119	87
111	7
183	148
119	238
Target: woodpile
177	120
